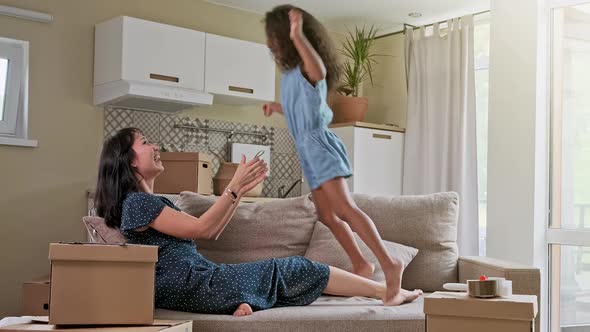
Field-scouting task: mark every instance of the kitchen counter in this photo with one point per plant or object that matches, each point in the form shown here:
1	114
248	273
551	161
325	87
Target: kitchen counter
368	125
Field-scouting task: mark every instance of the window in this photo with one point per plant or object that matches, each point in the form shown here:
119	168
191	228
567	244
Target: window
3	79
14	92
481	35
10	84
568	234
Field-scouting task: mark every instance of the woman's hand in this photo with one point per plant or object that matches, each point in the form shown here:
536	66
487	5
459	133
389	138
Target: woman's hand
248	175
270	108
296	20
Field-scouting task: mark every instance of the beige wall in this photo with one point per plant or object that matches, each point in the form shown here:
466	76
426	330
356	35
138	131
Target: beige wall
388	96
42	190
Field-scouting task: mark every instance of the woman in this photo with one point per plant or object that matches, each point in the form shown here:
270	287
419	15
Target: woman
187	281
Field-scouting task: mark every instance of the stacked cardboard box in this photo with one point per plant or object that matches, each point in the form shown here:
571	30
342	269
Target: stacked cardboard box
35	296
38	324
458	312
95	285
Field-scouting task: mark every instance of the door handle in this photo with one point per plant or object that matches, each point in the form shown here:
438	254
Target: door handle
240	89
381	136
164	78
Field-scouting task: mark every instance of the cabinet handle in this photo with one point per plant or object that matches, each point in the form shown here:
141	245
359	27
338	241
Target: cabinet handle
240	89
381	136
164	78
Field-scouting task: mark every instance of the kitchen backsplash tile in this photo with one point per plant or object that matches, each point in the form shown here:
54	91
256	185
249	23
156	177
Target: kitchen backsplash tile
114	121
149	122
161	129
283	141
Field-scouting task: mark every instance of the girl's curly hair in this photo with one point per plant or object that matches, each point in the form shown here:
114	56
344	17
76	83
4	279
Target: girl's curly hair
278	27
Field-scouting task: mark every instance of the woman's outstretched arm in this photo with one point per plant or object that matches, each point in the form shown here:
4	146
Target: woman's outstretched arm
212	223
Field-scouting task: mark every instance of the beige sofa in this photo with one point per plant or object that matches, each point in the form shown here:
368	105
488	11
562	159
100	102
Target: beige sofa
289	227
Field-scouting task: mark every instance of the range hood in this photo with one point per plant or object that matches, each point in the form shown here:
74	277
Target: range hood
149	96
147	65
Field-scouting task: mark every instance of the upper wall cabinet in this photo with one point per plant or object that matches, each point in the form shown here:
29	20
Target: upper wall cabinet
132	49
153	66
238	71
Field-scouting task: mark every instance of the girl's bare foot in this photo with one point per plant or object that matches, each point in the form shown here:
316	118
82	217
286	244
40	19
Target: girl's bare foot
244	309
393	280
403	296
365	269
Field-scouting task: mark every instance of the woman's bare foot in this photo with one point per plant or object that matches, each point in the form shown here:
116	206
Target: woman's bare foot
244	309
393	280
365	269
403	296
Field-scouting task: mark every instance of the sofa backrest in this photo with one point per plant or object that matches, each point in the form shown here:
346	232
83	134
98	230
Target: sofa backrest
284	228
257	231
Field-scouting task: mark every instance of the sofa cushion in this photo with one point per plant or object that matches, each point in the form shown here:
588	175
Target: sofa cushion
324	248
257	231
427	222
328	313
99	232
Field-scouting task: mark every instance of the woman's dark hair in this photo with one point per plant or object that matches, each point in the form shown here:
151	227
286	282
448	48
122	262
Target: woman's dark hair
278	30
115	176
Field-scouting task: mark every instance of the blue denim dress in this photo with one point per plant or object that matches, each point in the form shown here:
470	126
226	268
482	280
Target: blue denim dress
321	153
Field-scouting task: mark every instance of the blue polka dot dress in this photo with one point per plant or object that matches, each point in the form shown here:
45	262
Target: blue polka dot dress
187	281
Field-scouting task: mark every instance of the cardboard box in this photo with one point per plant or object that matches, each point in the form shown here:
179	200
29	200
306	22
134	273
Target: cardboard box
35	297
457	312
102	284
185	171
39	324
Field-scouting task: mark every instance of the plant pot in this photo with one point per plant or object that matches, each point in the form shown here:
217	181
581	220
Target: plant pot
223	177
349	109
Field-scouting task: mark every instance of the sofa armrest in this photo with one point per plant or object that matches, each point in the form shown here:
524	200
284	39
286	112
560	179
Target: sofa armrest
525	279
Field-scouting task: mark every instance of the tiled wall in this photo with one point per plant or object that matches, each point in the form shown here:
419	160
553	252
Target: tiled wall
159	128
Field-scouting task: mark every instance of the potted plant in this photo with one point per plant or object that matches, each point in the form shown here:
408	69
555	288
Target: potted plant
347	105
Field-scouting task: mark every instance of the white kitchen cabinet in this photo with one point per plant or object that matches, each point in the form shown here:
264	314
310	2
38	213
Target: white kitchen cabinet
376	157
238	71
131	49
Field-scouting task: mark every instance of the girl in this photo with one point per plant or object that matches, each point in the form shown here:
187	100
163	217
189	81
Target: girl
187	281
302	49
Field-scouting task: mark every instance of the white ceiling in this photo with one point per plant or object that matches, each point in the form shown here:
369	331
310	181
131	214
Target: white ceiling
388	15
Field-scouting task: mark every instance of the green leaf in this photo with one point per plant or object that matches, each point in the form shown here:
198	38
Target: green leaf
360	59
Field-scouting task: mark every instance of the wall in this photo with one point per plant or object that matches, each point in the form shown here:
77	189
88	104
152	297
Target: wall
388	96
43	190
517	141
513	138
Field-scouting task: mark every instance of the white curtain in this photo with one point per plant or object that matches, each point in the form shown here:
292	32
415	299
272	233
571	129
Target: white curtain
440	141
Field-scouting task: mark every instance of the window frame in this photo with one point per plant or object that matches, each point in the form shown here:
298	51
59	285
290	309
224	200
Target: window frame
14	54
482	64
14	126
556	236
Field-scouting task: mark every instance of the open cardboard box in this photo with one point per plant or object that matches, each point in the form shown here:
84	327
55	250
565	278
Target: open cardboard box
95	284
458	312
